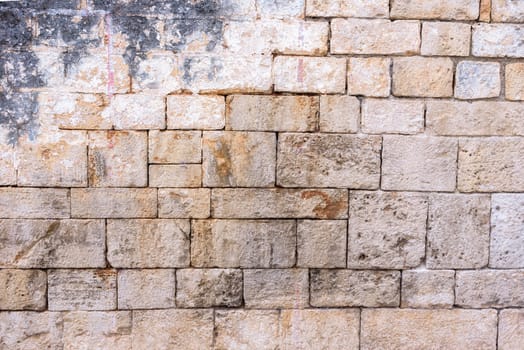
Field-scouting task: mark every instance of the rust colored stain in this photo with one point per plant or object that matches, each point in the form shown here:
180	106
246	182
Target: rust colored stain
327	208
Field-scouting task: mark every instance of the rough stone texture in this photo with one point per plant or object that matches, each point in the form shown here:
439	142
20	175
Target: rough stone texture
497	40
353	288
146	289
386	229
416	329
175	147
23	289
136	111
437	73
507	11
458	231
321	243
276	288
445	39
347	8
339	114
431	168
208	288
328	161
284	9
195	112
243	243
435	9
476	80
272	113
482	288
507	226
31	330
184	203
511	329
175	175
369	76
428	289
399	116
485	11
228	159
515	81
34	203
374	37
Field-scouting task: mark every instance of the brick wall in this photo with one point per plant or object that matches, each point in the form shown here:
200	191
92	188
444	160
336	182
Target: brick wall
262	174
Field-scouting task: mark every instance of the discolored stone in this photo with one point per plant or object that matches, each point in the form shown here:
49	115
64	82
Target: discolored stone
157	72
185	35
435	9
195	112
398	116
17	32
511	329
347	8
369	76
507	226
136	111
65	30
339	113
321	243
445	39
507	42
428	289
437	73
175	147
476	80
175	175
184	203
34	203
281	9
23	290
515	81
146	289
31	330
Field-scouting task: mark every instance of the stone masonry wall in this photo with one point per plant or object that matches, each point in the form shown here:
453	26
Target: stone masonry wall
261	174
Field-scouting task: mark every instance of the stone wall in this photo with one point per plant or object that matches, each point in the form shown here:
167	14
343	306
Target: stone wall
262	174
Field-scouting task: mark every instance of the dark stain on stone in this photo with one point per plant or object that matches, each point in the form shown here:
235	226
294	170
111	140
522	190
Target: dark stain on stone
194	67
18	114
180	31
175	8
19	70
14	29
67	30
42	4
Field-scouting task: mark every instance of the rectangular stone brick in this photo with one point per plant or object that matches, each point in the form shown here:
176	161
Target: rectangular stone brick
458	231
490	288
117	158
34	203
326	160
428	289
386	229
146	289
148	243
208	288
321	243
515	81
489	165
507	226
437	73
374	37
175	147
195	112
158	72
241	203
422	329
31	330
350	288
184	203
339	113
285	9
432	167
457	10
243	243
23	289
88	290
137	111
479	118
52	243
347	8
507	44
175	175
276	288
228	159
114	203
309	74
485	11
369	76
475	80
445	39
272	113
511	329
507	11
399	116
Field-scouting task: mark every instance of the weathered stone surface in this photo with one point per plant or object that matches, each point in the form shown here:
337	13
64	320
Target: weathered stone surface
428	289
458	231
339	114
479	118
437	73
507	11
229	161
114	203
350	288
399	116
316	160
511	329
431	168
477	80
146	289
276	288
175	175
195	112
81	290
445	39
327	329
208	288
386	229
246	329
34	203
184	203
490	288
347	8
7	163
243	243
175	147
31	330
489	165
321	243
279	203
515	81
117	158
173	329
485	11
435	9
136	111
374	37
158	72
284	9
22	290
369	76
427	329
507	226
272	113
497	40
52	243
309	74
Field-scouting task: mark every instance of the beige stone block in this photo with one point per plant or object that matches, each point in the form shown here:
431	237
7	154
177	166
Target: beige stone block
428	289
34	203
511	329
88	290
140	111
175	147
23	289
339	114
445	39
184	203
117	159
507	226
158	72
507	11
208	288
146	289
369	76
235	158
321	243
457	10
437	73
485	11
31	330
195	112
272	113
386	229
175	175
398	116
276	288
7	164
285	9
497	40
347	8
476	80
243	243
309	74
515	81
353	288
